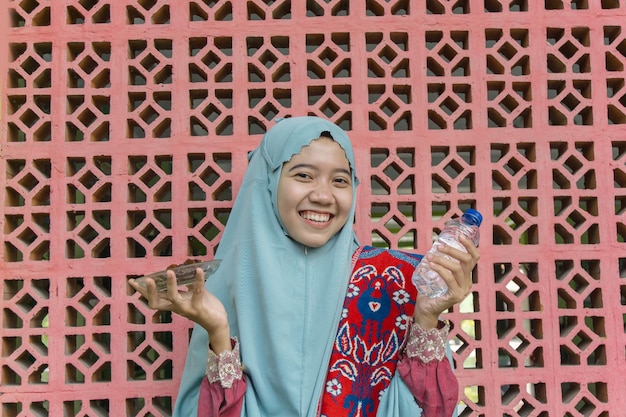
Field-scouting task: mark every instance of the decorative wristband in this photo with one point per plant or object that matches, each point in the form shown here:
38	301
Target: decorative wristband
428	345
225	368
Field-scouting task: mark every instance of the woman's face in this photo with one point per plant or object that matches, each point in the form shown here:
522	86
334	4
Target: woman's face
315	193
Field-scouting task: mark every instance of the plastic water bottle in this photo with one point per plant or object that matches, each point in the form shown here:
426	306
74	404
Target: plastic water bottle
427	281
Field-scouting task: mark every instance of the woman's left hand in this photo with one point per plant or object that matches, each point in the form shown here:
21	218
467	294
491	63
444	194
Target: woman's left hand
457	273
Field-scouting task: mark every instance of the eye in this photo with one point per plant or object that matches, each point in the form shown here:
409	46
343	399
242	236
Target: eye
303	175
342	181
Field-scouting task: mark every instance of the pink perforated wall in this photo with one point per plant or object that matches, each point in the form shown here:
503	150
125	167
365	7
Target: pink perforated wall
124	134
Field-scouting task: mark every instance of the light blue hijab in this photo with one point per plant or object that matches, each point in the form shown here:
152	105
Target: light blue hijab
283	300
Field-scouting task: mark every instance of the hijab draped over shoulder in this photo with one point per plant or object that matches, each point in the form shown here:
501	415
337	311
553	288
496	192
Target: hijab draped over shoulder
283	300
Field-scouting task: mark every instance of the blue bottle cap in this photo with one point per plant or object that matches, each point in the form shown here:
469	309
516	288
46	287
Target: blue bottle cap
472	216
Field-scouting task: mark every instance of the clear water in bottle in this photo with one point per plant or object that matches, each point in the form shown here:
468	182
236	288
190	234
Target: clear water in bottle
427	281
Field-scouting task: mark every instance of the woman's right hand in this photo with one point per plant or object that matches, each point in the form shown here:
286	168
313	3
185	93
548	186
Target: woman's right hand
196	304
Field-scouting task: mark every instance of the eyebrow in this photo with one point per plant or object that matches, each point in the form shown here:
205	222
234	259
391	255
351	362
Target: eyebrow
309	166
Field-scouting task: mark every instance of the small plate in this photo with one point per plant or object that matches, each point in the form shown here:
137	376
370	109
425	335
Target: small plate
185	274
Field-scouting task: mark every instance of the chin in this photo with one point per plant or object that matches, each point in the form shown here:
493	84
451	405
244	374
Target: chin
316	245
311	242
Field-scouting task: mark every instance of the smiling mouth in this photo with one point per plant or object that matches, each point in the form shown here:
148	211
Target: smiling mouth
315	217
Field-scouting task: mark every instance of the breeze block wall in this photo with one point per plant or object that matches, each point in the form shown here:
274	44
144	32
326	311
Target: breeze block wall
125	130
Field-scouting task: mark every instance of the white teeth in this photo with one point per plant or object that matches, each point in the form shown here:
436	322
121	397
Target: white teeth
316	217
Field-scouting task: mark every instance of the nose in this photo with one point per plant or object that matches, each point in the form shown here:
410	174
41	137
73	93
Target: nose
322	193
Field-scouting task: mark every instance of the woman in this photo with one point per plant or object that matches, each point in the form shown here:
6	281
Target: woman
323	325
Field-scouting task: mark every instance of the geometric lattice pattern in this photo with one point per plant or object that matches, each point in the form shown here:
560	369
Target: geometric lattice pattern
125	130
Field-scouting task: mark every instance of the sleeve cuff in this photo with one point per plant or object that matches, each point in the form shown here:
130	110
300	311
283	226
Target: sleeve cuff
225	368
428	345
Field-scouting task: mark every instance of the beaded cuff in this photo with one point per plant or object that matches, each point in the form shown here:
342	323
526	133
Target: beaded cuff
225	368
427	345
